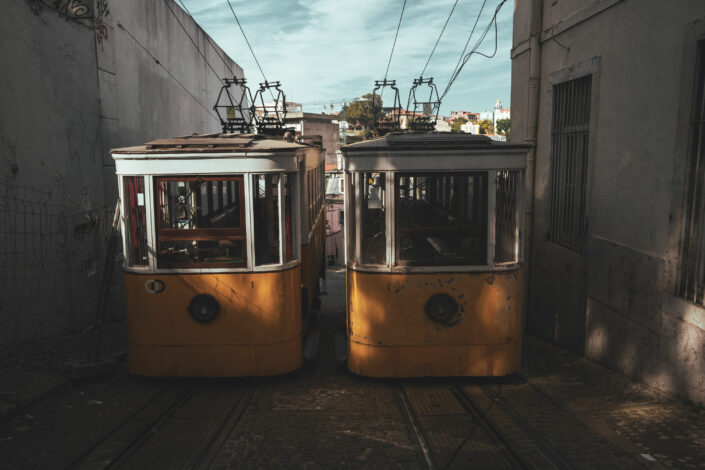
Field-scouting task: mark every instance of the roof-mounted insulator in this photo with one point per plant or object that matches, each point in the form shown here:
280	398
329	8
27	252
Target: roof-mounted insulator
426	104
270	115
233	106
385	119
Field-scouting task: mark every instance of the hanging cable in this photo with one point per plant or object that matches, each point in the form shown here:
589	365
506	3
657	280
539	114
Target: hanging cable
467	43
246	40
166	70
395	40
173	13
210	41
464	60
439	37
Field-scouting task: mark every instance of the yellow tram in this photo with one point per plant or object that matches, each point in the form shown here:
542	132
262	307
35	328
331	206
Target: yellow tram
434	255
223	236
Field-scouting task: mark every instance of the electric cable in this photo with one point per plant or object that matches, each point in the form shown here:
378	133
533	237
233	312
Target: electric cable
166	70
247	41
467	43
395	40
439	37
210	41
493	22
173	13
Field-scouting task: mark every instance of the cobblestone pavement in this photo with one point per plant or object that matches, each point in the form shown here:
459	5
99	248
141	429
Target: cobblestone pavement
561	412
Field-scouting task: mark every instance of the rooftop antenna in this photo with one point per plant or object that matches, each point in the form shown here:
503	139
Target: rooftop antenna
234	112
385	119
270	117
426	105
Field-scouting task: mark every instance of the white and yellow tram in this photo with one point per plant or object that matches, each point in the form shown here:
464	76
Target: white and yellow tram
224	244
434	255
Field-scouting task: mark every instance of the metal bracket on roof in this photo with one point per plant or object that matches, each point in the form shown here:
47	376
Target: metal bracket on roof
385	119
234	112
270	117
422	117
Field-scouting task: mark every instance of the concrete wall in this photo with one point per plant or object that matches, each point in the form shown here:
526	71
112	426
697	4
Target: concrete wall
72	89
615	301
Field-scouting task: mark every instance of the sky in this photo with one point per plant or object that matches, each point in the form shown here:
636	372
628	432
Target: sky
328	50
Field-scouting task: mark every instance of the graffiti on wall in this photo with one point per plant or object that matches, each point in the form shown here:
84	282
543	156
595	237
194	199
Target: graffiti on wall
90	13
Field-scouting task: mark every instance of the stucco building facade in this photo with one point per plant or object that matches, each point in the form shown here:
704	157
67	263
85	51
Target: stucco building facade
609	93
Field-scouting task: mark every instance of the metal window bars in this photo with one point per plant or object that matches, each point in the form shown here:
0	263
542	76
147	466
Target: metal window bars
235	112
423	121
385	119
240	112
691	282
269	116
569	154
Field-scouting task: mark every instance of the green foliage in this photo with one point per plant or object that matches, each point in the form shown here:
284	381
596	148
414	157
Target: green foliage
360	112
486	127
504	126
455	127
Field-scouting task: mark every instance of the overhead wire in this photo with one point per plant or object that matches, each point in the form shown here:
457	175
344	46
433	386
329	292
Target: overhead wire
246	40
210	41
165	69
389	62
464	59
198	49
439	37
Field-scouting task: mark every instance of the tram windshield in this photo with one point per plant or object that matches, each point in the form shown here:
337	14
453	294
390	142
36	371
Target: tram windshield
441	218
200	221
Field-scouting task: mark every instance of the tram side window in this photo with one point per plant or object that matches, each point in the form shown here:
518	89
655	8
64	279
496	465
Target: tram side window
197	226
135	221
266	218
506	217
289	190
373	240
441	218
350	241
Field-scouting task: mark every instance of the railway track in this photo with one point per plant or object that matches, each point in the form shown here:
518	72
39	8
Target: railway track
501	425
178	427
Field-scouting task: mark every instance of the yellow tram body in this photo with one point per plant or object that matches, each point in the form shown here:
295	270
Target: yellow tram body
208	298
434	294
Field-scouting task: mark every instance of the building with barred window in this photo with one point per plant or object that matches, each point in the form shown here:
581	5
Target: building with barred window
611	93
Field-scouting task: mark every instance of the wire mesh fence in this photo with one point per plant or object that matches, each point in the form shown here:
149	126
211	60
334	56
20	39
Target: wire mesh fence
51	250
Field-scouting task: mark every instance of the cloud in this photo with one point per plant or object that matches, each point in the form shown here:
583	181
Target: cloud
324	50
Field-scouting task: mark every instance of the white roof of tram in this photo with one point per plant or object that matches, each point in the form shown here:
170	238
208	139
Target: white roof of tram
215	153
434	151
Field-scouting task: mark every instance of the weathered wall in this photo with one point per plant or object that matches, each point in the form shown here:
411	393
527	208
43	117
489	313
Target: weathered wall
615	302
72	91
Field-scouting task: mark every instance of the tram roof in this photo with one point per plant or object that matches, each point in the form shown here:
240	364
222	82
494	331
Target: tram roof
432	140
213	143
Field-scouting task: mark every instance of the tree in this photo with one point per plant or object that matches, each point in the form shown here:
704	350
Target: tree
455	127
359	112
486	127
504	126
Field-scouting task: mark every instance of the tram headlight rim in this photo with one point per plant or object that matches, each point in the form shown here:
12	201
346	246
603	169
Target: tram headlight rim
204	308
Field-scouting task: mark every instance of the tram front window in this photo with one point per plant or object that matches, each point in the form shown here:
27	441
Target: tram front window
373	240
441	218
200	222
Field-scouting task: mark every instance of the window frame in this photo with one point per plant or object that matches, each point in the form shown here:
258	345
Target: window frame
206	234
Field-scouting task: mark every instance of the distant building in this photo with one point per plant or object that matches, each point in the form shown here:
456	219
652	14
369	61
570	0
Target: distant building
335	240
325	125
616	252
471	127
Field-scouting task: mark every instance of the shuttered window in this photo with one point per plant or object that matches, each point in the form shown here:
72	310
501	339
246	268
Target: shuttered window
691	285
569	155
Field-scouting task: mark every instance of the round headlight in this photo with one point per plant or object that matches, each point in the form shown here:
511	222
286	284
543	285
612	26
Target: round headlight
204	308
441	307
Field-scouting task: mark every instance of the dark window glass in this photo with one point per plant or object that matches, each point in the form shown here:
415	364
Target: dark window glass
196	225
266	218
373	240
135	222
288	186
691	281
351	239
506	217
441	218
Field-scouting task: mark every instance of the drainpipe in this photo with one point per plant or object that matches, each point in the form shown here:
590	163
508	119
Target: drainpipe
533	92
